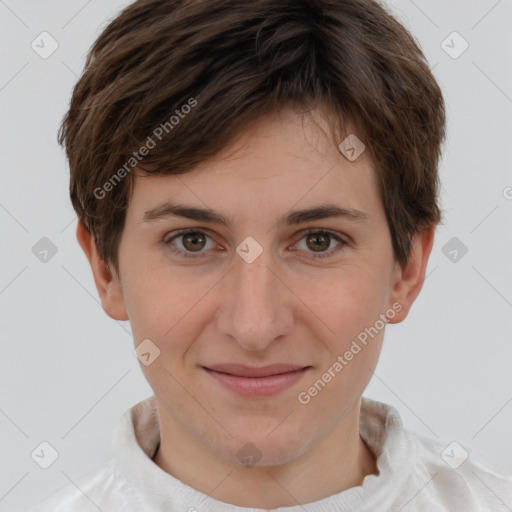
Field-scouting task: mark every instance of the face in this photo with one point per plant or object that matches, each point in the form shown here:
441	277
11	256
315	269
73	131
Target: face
266	288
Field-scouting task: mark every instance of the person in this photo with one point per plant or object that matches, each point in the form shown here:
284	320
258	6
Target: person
256	183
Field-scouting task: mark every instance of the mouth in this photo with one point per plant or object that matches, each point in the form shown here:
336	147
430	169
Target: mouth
251	381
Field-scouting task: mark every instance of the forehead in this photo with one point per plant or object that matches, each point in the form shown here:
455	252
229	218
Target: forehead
284	159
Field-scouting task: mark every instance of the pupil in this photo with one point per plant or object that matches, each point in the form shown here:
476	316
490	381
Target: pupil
193	237
315	237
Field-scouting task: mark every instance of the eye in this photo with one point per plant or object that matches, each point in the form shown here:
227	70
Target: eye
319	240
193	241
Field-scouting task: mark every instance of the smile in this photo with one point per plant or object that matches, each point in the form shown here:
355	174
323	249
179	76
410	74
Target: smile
256	382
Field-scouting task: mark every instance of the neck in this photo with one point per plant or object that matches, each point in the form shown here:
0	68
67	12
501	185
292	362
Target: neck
340	461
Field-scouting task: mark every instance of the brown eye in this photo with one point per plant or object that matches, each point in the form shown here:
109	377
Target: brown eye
194	241
188	243
318	241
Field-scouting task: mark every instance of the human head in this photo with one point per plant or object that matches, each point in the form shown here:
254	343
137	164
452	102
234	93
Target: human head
241	78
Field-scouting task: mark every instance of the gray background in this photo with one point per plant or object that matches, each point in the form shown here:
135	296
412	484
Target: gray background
67	370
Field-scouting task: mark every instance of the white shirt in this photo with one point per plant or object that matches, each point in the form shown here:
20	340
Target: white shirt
412	477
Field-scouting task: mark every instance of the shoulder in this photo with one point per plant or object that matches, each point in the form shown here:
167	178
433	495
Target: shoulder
100	489
462	478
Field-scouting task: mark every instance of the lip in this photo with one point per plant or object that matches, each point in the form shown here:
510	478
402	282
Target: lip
256	381
241	370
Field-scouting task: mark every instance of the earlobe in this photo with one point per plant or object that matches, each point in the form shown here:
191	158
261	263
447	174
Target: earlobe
408	281
107	283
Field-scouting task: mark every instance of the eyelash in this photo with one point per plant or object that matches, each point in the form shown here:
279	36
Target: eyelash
187	254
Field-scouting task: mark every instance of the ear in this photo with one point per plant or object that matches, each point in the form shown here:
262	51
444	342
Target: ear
408	281
107	282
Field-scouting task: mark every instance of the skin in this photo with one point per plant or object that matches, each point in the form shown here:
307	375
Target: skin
284	307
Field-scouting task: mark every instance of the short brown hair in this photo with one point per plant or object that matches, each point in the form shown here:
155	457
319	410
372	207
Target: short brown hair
239	60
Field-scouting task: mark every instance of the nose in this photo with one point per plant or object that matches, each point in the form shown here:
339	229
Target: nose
256	306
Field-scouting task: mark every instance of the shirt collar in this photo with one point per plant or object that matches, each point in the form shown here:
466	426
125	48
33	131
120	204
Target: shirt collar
137	437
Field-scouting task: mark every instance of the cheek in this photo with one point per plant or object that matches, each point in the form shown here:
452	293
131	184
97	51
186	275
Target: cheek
150	300
165	307
350	307
345	301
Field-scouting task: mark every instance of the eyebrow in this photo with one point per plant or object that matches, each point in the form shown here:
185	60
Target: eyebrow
323	211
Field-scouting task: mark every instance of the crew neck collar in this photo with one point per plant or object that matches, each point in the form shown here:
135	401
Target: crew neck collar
137	438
